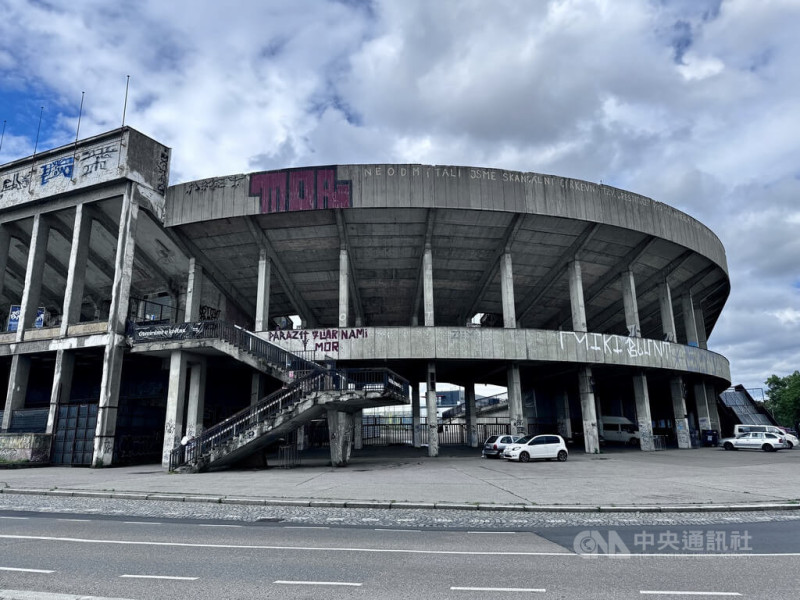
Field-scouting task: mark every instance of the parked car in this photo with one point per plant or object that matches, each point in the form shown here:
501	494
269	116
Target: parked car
790	439
620	429
540	446
766	441
495	444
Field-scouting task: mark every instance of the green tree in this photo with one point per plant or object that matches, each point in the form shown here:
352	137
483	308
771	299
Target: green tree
784	398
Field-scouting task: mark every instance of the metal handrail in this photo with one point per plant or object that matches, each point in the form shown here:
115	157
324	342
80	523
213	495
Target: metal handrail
375	380
483	402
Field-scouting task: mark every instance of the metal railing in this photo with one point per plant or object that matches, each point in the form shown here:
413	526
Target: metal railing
228	332
480	403
382	381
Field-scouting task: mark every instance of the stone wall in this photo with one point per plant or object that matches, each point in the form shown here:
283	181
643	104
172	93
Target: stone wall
24	448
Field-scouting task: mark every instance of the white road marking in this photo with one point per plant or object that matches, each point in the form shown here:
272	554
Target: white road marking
30	595
211	525
76	520
670	556
399	530
25	570
141	523
318	583
15	518
494	532
498	589
305	527
172	577
676	593
370	519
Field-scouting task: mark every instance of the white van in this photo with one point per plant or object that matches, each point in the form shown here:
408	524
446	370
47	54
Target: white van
791	440
620	429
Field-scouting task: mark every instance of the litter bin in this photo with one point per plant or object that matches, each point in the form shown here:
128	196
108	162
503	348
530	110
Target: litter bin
710	437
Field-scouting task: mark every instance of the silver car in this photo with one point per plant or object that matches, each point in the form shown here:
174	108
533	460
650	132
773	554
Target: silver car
768	442
495	444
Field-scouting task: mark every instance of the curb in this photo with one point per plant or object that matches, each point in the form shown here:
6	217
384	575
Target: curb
383	504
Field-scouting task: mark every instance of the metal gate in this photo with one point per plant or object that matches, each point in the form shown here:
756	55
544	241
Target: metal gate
73	441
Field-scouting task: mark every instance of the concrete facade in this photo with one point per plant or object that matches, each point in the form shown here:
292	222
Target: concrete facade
591	300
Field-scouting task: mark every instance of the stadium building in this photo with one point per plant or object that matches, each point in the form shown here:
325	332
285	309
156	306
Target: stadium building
199	324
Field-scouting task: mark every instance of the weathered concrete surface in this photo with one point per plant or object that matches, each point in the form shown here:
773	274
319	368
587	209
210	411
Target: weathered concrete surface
24	448
616	477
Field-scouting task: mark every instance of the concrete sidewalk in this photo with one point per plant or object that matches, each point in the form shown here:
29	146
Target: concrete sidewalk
618	479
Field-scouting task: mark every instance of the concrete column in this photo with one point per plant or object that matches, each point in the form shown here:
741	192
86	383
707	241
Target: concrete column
564	420
115	348
197	397
37	254
643	418
507	292
416	421
340	428
300	438
676	390
176	404
17	387
630	304
76	275
358	423
62	386
516	417
591	439
703	418
471	414
194	291
576	301
433	417
262	294
713	411
344	289
688	320
258	387
700	325
5	244
427	285
667	315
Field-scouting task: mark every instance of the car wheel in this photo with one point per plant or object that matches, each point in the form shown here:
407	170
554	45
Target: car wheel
727	446
632	442
767	448
524	457
562	455
789	445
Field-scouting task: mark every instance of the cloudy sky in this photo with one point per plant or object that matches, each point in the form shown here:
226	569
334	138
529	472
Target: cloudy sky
695	103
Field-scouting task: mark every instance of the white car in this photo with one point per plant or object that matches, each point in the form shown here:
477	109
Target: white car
766	441
540	446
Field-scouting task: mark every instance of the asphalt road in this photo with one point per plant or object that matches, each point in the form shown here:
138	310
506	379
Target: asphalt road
144	558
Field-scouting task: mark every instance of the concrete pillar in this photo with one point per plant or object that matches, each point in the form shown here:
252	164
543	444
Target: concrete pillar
643	417
340	427
17	387
176	404
37	254
516	418
197	397
630	304
471	415
5	244
564	420
676	390
344	288
416	421
433	416
703	418
358	423
713	411
700	325
591	438
258	387
262	294
194	291
507	292
427	285
576	301
62	386
76	275
688	320
300	438
115	348
667	314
